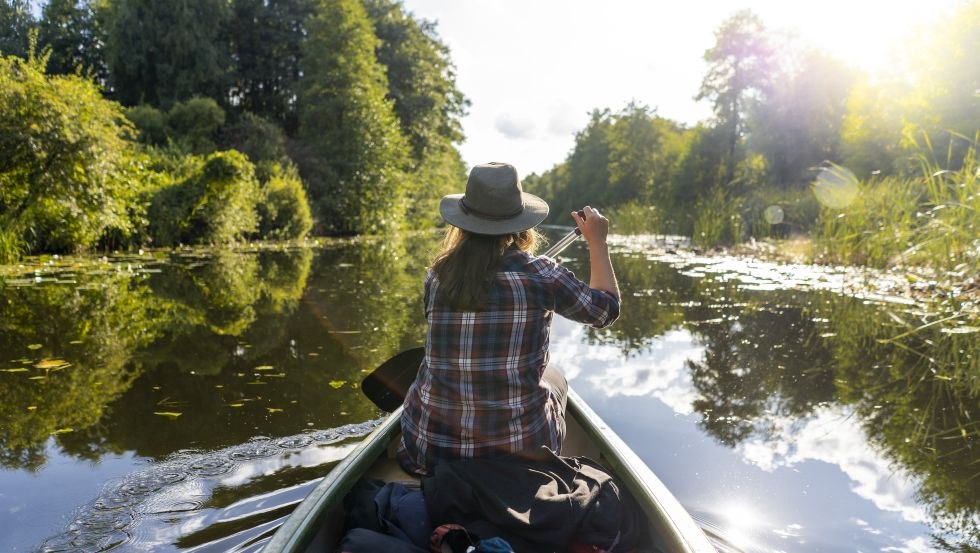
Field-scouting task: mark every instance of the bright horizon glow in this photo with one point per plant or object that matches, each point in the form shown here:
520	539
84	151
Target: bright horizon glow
534	70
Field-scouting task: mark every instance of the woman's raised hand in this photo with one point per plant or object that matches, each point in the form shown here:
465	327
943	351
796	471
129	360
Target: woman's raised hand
594	226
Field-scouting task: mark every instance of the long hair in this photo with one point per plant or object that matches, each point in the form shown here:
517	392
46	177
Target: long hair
467	264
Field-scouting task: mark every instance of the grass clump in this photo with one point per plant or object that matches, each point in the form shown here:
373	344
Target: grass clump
927	220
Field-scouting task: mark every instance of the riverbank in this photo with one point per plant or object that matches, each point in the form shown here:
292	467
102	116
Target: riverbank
921	283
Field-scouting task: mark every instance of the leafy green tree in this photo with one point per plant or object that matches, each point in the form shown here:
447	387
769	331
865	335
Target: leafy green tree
215	204
194	124
799	125
16	21
72	30
266	41
873	128
422	87
354	154
259	138
284	213
583	178
946	99
67	167
741	69
644	151
161	53
150	123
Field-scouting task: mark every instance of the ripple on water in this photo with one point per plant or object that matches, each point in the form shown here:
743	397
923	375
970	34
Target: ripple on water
211	466
148	483
113	518
295	442
254	451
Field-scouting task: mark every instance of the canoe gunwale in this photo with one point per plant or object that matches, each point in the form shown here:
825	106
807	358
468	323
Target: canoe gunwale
305	521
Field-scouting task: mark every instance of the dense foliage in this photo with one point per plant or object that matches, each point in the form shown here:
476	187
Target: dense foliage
347	114
67	167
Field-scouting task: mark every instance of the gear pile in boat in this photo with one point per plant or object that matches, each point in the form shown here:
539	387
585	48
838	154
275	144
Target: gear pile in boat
497	504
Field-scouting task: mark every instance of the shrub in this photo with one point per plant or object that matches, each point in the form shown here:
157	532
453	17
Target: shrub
67	168
214	205
194	124
284	213
150	123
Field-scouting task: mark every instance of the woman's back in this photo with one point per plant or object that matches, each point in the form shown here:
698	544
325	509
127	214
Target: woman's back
480	392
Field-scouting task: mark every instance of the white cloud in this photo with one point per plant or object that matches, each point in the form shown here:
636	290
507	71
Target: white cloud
514	127
917	545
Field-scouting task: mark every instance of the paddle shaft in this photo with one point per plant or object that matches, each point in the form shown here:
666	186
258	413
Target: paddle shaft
387	385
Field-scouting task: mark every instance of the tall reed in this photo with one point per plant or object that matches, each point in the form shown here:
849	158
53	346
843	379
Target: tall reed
931	220
717	219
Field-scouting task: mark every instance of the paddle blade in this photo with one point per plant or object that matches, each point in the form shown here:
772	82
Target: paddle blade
387	385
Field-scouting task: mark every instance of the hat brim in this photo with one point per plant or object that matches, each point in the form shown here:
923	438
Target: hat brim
535	211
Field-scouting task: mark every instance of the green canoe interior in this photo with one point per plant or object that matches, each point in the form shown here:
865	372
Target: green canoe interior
317	523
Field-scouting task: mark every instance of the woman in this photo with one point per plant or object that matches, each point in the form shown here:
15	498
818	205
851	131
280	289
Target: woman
485	387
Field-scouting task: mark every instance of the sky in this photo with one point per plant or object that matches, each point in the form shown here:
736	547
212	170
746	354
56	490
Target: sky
534	69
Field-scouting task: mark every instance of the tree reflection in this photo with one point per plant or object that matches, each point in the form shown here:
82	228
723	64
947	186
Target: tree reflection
75	354
763	362
916	388
93	330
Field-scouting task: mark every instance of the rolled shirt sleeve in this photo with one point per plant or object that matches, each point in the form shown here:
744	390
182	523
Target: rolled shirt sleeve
579	302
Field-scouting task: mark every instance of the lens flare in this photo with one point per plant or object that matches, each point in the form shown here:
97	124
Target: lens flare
774	215
836	187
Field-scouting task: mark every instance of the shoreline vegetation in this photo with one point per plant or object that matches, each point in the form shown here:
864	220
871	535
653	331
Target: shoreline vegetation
128	125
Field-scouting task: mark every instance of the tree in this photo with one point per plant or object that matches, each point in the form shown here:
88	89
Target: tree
354	154
946	98
799	125
67	166
16	21
71	29
160	53
740	73
644	149
422	87
266	41
194	124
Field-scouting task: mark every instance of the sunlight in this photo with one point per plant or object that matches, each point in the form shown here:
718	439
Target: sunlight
739	522
865	34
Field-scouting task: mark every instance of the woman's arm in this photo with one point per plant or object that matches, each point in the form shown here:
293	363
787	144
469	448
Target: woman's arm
594	229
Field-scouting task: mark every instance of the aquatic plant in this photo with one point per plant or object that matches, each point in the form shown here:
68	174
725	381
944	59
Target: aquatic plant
932	220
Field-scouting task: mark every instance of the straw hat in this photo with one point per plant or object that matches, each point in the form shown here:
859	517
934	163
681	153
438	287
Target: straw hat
494	202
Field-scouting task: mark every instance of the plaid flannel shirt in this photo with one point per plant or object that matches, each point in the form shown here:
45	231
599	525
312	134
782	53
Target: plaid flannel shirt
479	391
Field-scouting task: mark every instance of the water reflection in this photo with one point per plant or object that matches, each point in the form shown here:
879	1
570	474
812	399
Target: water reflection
786	415
785	377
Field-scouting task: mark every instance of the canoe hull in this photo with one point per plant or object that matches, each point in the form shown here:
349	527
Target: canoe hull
314	525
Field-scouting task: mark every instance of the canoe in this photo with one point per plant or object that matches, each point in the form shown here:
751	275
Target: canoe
317	523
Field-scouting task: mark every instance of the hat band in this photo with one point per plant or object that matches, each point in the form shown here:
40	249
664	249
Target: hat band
479	214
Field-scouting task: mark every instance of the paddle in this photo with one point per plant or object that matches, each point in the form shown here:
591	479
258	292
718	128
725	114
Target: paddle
387	385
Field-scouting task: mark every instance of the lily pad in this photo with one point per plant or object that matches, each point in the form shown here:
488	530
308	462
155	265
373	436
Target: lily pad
52	364
169	414
337	384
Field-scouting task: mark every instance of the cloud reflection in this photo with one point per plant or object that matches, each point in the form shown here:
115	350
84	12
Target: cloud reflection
660	371
834	437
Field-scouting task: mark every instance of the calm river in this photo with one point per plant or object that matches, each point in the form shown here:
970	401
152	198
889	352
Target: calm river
188	400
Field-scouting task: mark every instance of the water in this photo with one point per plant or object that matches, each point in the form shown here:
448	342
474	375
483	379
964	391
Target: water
188	400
